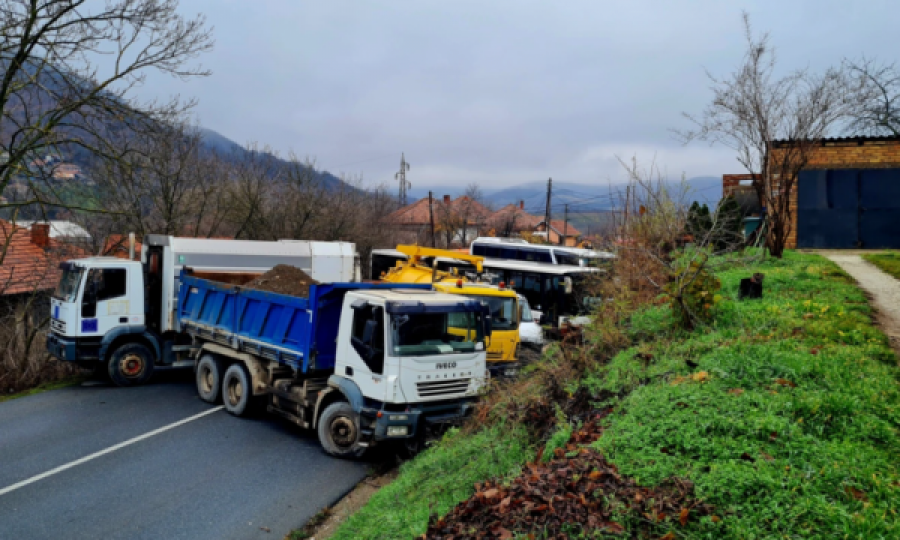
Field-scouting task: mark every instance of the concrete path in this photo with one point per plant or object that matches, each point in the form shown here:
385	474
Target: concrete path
883	288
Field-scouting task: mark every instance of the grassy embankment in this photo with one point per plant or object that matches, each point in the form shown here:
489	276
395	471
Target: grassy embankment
63	383
888	261
786	423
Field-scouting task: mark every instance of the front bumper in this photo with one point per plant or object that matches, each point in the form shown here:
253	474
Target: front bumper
61	348
385	425
71	350
501	370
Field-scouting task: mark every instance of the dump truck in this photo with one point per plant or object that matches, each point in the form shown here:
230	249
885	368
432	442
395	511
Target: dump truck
117	316
503	347
361	363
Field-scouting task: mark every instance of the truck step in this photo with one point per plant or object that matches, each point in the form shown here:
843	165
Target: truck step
176	365
293	418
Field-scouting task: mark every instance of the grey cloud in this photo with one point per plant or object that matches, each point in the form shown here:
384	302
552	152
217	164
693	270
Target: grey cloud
496	92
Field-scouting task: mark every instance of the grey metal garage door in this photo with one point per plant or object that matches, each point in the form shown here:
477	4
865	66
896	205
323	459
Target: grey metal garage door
849	208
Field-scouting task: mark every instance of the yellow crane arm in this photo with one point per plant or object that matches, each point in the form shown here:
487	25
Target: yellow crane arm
417	252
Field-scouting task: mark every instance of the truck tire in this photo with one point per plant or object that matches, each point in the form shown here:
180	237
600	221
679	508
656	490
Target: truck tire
130	365
237	394
339	431
209	378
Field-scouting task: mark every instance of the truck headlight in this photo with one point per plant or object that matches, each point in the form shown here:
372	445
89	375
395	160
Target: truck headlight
397	431
398	417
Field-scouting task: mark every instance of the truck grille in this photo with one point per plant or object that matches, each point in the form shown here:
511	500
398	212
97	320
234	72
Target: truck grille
494	356
447	388
58	325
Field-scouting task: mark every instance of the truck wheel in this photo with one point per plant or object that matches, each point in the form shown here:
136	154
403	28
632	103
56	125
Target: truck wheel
209	378
130	365
237	394
339	431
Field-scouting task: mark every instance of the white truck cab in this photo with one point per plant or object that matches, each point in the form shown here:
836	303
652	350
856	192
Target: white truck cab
96	297
421	347
118	315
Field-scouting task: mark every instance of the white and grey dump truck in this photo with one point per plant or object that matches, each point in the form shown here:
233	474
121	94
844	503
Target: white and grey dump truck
358	362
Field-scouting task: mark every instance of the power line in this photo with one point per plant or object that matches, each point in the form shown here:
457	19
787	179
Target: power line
401	176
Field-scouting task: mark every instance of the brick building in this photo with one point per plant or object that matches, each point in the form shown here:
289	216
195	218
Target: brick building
847	195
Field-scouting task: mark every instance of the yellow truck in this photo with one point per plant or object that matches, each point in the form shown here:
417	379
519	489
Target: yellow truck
503	347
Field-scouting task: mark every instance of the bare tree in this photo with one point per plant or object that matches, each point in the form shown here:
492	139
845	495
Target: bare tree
754	107
171	184
652	257
69	67
878	111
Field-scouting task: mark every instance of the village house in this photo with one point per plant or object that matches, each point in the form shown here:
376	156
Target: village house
31	260
846	196
458	222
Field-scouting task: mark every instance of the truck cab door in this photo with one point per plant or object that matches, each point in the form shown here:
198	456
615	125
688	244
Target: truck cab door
105	302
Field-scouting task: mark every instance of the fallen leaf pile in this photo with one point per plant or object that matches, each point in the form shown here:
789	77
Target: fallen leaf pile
577	488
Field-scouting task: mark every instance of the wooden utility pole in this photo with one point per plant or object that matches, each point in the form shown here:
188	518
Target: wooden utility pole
627	201
431	216
547	213
565	226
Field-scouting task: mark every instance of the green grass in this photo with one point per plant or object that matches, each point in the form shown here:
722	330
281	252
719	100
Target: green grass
793	432
436	481
69	381
888	261
818	460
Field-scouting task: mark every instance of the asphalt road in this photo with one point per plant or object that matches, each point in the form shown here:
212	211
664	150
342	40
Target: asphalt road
213	476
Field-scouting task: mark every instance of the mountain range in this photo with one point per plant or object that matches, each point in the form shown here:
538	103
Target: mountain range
580	197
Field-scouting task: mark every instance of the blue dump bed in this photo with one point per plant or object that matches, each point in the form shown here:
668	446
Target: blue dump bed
298	332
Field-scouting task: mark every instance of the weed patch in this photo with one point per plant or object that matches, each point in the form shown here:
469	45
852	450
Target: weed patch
888	262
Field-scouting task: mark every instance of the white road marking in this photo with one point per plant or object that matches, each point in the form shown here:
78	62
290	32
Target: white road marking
105	451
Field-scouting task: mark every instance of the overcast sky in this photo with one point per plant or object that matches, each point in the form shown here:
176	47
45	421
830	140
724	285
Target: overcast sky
497	92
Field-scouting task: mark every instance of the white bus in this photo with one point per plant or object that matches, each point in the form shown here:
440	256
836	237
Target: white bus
558	291
516	249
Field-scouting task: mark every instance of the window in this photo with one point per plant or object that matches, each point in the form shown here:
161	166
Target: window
421	334
105	284
367	337
67	289
567	258
531	282
503	311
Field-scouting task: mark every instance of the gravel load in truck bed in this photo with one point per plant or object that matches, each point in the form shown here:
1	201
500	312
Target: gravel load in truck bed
283	279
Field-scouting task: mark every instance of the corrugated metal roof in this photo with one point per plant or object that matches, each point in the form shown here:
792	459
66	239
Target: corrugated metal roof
857	139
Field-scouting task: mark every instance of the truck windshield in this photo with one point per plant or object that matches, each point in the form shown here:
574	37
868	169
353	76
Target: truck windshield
503	311
67	289
419	334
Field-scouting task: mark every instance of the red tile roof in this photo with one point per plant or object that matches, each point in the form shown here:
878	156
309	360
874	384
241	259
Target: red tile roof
27	267
116	245
559	226
417	213
513	215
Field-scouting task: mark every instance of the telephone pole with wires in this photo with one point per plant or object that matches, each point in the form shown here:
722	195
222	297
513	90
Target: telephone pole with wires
431	216
547	213
401	176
